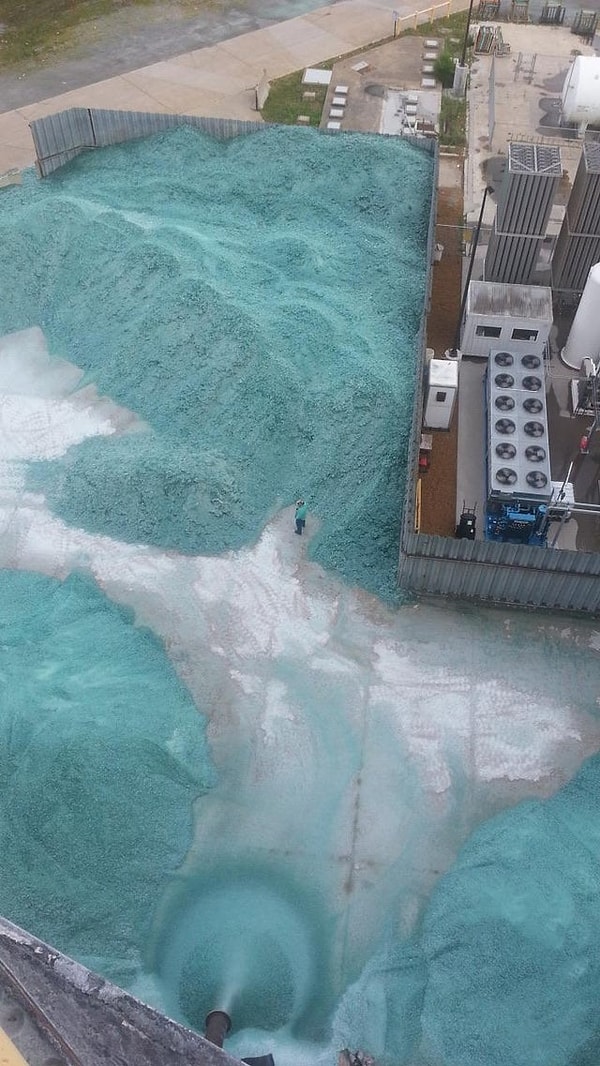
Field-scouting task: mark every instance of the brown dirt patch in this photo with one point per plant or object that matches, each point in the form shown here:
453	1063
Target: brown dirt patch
438	485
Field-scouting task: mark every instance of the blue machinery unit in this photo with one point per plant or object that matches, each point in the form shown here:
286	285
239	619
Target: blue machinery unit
517	522
519	485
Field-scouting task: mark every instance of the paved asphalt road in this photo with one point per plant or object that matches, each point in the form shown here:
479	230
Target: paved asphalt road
136	37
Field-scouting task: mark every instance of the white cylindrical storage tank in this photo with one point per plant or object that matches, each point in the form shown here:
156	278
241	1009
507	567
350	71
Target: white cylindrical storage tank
583	341
580	101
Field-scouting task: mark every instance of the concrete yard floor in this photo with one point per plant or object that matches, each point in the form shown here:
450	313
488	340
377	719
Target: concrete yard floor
396	64
527	84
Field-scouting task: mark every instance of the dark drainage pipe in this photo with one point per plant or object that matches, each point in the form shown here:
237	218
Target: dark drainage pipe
216	1026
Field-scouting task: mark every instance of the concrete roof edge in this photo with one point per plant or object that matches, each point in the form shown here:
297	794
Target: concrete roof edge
97	1020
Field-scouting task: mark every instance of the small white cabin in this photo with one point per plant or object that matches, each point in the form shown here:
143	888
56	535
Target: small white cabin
518	317
442	389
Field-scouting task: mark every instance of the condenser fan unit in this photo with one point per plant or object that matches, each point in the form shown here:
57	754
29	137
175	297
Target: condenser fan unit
504	403
506	450
535	454
536	479
531	362
506	476
504	381
533	429
532	405
503	359
532	384
505	426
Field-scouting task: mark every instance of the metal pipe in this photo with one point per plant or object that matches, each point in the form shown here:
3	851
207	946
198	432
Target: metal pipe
216	1026
474	244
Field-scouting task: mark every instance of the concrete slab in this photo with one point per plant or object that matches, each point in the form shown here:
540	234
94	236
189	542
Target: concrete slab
526	86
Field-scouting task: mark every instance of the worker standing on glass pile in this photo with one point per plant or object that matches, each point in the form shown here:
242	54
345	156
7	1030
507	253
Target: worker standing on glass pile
301	510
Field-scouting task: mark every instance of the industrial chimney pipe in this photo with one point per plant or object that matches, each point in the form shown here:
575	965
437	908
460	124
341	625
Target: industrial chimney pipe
216	1026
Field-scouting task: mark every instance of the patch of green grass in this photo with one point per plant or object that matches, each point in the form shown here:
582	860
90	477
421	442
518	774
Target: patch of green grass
443	69
34	28
453	118
285	102
452	26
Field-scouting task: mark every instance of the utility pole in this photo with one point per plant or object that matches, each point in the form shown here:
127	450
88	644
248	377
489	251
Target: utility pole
466	40
474	243
460	71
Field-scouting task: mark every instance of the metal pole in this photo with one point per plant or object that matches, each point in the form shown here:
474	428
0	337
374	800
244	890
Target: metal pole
474	244
464	51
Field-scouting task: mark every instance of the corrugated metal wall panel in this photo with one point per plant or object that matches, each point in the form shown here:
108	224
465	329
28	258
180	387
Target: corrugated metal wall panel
114	127
496	554
528	188
511	258
583	207
525	201
578	245
511	585
59	138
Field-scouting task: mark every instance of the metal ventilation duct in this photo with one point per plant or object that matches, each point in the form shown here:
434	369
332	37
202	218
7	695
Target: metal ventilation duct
524	205
578	244
511	258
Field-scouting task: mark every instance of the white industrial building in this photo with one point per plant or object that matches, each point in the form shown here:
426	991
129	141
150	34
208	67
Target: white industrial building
518	317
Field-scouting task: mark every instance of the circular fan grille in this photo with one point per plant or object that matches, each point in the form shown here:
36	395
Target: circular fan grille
505	426
535	454
532	405
532	384
504	381
531	362
503	359
536	479
506	450
506	476
533	429
504	403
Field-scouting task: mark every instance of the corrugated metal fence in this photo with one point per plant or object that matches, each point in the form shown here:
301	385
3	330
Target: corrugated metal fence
59	138
488	571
